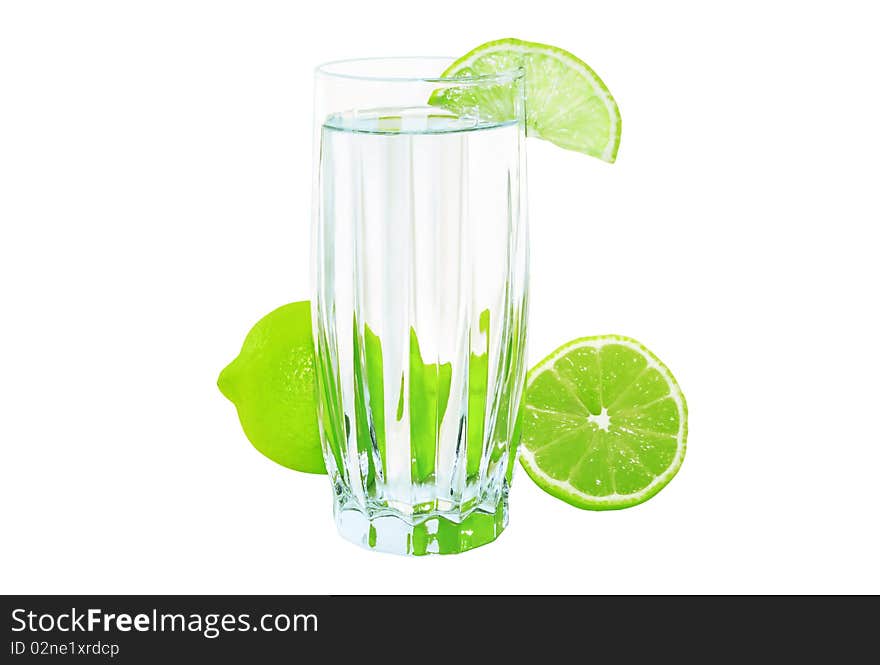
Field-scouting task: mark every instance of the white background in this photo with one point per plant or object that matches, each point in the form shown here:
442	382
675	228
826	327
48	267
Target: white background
155	168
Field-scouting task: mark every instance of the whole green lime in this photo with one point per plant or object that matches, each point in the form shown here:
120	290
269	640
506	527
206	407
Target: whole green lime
272	384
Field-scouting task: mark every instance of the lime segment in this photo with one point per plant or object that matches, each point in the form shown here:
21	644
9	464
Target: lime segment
566	101
605	423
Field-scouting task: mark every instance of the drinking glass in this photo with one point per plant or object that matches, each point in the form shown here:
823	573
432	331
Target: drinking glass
419	307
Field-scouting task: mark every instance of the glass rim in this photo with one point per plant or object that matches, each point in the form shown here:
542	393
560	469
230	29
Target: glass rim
324	69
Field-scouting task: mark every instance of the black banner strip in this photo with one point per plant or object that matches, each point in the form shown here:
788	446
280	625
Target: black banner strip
269	629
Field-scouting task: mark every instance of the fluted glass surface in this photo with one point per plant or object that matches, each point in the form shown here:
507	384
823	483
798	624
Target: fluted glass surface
419	305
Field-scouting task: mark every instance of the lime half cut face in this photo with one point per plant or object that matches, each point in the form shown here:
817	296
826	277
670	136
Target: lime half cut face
605	423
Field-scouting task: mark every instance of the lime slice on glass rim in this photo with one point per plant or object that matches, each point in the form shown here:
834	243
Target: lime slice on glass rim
566	101
604	423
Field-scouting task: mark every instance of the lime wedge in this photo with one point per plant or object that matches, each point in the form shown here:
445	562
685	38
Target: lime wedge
566	101
605	423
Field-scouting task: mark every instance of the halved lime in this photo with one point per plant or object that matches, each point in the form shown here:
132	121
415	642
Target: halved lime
605	423
566	101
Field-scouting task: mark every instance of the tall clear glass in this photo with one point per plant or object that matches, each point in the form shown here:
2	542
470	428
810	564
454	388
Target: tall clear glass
420	264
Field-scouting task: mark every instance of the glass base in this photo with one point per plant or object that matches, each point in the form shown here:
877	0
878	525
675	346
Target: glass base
431	534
